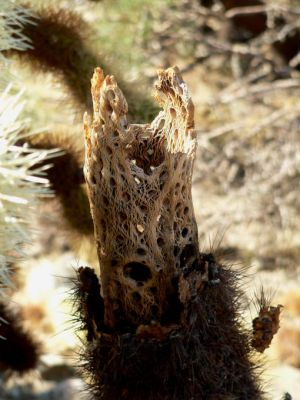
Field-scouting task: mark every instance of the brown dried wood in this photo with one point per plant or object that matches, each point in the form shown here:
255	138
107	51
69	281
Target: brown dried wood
139	182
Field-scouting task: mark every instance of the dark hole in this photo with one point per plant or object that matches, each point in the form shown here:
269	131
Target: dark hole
114	263
141	251
109	150
186	210
136	297
152	193
137	271
112	182
93	180
126	196
123	216
153	290
176	251
160	242
184	232
105	200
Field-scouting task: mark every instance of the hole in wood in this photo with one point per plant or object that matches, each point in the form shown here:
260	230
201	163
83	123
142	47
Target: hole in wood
173	113
184	232
141	251
109	108
112	183
126	196
176	251
105	200
160	242
153	290
109	150
137	272
136	297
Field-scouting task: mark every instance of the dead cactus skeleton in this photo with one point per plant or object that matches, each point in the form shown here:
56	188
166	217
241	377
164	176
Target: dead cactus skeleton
139	182
165	321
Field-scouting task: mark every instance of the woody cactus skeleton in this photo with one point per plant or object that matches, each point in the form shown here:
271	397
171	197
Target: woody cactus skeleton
164	323
139	180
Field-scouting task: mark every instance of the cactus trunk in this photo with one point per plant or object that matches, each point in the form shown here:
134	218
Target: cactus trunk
163	321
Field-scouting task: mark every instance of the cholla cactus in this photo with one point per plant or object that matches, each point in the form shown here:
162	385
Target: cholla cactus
21	182
12	18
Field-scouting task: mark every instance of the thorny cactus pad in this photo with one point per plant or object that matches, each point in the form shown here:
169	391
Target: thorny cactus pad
139	179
